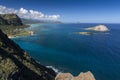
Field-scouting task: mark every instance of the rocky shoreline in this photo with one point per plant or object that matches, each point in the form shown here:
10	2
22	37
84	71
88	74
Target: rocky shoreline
23	33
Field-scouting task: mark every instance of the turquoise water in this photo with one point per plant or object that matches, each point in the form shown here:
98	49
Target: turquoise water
57	45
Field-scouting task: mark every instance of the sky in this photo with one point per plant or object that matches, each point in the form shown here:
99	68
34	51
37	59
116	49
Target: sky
83	11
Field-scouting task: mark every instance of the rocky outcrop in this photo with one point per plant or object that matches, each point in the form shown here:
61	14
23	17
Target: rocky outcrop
82	76
98	28
84	33
10	19
2	21
16	64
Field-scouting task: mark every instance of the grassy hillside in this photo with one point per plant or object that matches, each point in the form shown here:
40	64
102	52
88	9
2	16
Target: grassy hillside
12	25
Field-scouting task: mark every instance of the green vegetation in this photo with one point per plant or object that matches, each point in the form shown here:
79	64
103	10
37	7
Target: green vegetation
12	25
10	19
13	31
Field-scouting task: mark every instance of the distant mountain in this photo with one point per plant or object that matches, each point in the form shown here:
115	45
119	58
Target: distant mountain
11	24
32	21
10	19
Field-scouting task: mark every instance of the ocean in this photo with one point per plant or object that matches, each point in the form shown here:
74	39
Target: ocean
58	46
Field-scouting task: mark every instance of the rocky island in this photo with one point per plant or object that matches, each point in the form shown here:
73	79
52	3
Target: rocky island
98	28
93	30
84	33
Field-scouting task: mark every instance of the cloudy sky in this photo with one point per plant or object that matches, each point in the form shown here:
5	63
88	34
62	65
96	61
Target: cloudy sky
86	11
28	14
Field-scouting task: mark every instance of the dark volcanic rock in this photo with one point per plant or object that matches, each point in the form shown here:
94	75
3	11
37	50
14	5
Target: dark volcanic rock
2	21
16	64
10	19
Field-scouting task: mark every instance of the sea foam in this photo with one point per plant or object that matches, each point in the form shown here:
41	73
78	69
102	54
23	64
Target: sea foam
55	69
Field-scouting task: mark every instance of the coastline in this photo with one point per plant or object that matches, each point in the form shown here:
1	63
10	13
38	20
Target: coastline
26	33
22	32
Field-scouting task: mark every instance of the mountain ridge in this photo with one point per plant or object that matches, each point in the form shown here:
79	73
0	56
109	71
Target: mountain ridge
10	19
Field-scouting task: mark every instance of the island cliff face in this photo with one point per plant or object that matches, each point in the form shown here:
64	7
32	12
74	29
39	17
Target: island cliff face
16	64
10	19
98	28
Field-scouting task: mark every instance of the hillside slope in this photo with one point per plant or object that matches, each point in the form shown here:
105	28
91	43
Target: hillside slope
12	25
16	64
10	19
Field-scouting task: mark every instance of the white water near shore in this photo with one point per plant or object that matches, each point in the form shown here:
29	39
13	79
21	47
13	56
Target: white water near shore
29	29
53	68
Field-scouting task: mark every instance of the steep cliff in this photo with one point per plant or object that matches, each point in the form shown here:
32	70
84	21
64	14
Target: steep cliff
12	25
16	64
10	19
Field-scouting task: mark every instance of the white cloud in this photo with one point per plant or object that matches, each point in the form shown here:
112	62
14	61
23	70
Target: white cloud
28	14
23	11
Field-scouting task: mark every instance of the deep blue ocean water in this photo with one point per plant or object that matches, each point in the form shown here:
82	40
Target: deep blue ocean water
57	45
